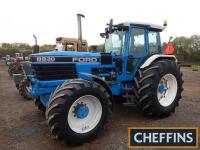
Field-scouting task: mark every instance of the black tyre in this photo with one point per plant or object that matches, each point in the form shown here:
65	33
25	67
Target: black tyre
23	89
78	110
158	88
10	72
39	105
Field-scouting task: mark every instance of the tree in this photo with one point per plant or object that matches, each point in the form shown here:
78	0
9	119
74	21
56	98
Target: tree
182	45
47	47
195	43
188	48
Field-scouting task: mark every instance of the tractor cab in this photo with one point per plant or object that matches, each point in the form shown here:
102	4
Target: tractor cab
132	43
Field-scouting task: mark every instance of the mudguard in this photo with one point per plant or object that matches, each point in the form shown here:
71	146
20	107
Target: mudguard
98	80
155	57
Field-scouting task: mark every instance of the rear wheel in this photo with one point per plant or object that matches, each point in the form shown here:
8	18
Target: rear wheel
158	88
167	89
78	110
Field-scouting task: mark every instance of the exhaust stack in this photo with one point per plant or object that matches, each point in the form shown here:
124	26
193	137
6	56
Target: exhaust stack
35	47
79	31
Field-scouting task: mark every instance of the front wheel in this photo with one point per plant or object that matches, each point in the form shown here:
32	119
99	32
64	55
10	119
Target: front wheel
78	110
158	88
24	89
10	70
39	104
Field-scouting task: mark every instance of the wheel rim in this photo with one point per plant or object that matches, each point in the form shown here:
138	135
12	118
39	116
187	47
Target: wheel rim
84	114
167	90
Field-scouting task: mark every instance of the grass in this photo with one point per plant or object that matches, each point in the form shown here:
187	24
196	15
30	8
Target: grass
196	67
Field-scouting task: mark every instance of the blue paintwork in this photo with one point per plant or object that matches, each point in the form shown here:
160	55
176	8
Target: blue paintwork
44	99
68	53
43	89
82	111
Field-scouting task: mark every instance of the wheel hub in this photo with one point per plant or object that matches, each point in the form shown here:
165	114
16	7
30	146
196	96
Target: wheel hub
167	89
84	114
81	111
162	88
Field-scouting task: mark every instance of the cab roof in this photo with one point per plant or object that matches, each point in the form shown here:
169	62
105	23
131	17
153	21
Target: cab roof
149	25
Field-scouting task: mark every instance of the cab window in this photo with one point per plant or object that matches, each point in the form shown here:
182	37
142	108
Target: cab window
137	42
153	42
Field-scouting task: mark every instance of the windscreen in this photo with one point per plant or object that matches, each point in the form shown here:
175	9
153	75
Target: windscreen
115	42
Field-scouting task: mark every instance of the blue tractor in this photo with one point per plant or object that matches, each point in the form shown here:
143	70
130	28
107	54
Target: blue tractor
77	89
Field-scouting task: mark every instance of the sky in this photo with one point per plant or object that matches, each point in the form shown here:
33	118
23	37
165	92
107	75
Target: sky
48	19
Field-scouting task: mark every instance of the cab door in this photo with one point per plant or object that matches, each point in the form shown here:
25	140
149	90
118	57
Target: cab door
137	50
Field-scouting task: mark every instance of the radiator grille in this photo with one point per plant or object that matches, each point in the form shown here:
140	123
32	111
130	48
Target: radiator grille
54	71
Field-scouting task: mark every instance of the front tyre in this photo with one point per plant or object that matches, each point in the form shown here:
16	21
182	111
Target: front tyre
158	88
24	89
78	110
39	105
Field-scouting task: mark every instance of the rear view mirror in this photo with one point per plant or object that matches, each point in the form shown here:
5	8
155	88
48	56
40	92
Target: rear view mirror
103	35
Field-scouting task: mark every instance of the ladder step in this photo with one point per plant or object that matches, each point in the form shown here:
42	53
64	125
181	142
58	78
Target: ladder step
129	104
127	96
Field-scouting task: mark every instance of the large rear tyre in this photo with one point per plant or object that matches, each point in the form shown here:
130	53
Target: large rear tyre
158	88
78	110
24	89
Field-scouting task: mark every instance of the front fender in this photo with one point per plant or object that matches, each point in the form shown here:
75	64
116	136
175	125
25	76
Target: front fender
97	79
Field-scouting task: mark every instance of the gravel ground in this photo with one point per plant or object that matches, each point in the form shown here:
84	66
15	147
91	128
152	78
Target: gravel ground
23	127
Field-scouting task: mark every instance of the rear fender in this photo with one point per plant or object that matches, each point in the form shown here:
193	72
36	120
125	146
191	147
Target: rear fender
153	58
